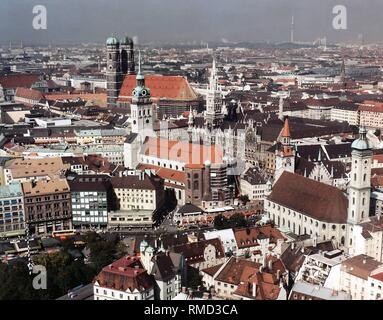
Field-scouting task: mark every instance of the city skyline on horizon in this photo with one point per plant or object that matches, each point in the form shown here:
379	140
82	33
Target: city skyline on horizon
174	21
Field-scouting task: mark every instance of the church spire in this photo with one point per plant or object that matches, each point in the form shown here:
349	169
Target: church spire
343	73
140	78
191	117
280	113
286	129
213	114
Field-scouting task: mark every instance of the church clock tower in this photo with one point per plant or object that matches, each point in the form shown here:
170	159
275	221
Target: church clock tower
285	156
113	71
142	115
360	184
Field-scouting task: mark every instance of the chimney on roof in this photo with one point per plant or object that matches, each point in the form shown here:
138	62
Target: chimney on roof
278	274
264	262
293	246
254	293
270	264
364	260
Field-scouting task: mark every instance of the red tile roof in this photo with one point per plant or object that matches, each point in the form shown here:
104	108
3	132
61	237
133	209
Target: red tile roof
29	94
181	151
194	251
378	276
18	80
161	87
164	173
125	274
361	266
309	197
248	237
371	106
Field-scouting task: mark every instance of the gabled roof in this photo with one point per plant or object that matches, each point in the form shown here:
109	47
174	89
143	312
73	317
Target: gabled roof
194	252
161	87
142	182
181	151
163	268
249	237
361	266
29	94
18	80
125	274
189	208
309	197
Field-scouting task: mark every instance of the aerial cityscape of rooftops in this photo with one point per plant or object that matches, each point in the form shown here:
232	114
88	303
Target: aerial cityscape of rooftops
207	171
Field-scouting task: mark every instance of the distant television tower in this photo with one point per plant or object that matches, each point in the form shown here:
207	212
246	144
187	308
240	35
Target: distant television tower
292	30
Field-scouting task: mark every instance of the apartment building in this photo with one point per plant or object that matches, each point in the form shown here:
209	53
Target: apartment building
47	206
137	197
12	220
90	197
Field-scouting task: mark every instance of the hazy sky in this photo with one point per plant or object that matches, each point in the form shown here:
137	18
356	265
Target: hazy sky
188	20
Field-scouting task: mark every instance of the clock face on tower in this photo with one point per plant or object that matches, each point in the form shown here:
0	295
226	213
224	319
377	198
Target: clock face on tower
288	161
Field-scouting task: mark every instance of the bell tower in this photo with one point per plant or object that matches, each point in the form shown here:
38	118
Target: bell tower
285	156
127	56
213	115
360	184
142	114
113	71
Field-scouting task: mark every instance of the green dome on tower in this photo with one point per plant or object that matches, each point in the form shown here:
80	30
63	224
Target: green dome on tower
126	41
112	41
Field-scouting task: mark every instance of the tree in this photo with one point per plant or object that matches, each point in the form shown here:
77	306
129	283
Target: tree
237	220
64	272
220	222
244	199
16	283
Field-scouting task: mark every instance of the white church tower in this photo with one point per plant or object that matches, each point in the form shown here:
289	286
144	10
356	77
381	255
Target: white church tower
285	156
142	118
360	184
213	114
142	115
